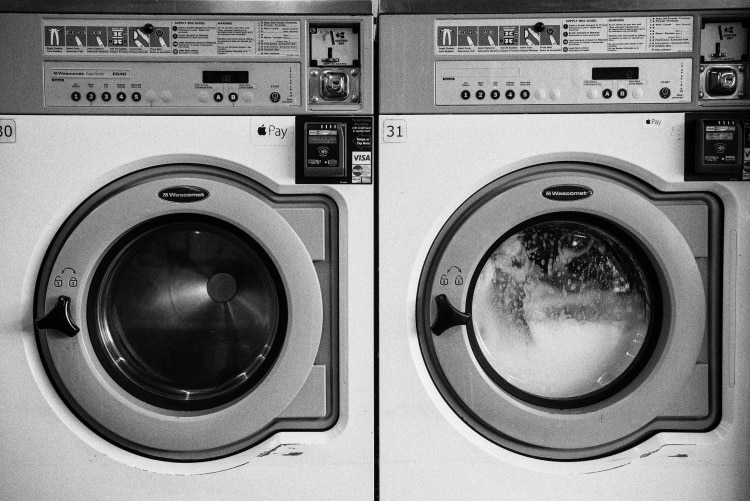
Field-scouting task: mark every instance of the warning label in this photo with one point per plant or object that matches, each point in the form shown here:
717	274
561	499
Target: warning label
624	35
231	38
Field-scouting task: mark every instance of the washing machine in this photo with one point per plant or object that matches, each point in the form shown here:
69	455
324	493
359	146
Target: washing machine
188	220
562	251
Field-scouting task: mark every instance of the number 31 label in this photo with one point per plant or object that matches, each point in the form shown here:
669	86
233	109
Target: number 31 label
7	131
394	131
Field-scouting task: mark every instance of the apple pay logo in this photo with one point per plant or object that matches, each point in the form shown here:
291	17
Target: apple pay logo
272	131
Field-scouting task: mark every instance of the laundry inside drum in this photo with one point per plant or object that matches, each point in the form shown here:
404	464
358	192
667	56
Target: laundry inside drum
561	309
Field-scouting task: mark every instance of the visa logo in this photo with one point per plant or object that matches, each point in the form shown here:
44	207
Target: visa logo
362	157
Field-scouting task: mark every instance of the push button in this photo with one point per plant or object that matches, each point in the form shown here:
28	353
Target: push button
622	93
480	94
664	93
218	97
607	93
275	97
91	96
136	96
510	94
495	94
525	94
233	97
106	96
75	96
121	96
465	94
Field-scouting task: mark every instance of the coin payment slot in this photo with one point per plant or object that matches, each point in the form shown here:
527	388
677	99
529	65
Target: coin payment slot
325	150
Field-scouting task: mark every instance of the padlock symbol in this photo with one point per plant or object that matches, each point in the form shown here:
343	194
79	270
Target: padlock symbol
58	281
73	282
459	280
443	280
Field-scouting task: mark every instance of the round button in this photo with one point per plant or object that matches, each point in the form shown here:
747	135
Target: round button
540	94
75	96
495	94
525	94
91	96
555	94
233	97
151	96
510	94
275	97
166	96
607	93
592	93
121	96
106	96
638	93
203	96
247	96
622	93
465	94
218	97
664	93
136	96
480	94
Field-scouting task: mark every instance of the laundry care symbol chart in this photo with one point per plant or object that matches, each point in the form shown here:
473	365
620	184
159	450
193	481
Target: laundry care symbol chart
493	38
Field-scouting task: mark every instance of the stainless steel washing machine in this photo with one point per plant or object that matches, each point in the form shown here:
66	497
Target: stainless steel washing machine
562	207
190	273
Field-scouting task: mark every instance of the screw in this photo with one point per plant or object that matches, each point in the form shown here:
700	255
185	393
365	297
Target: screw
355	98
314	73
355	72
314	99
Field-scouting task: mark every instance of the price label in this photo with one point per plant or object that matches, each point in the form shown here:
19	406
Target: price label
7	131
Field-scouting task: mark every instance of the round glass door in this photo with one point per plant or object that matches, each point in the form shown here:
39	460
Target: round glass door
187	312
562	310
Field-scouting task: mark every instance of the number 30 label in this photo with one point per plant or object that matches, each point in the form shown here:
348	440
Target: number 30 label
7	131
394	131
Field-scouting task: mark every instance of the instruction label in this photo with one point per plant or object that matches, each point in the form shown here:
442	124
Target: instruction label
208	38
613	35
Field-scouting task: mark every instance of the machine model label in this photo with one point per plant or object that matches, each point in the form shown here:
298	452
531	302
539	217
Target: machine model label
206	38
183	194
611	35
567	192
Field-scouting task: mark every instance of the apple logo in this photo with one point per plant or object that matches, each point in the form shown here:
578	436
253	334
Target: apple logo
262	130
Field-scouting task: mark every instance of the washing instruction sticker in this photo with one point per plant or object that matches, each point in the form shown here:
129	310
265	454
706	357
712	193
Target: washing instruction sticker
7	131
620	35
213	38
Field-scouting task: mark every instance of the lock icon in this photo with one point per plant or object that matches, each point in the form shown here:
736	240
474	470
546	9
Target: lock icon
58	281
73	282
443	280
459	280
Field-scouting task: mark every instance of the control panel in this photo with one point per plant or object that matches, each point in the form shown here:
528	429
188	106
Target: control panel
276	64
167	84
589	81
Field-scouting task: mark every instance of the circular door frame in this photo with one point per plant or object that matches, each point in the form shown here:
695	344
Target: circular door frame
86	386
545	432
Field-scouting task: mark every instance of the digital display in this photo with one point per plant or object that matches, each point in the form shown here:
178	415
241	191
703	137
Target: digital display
719	136
226	77
619	73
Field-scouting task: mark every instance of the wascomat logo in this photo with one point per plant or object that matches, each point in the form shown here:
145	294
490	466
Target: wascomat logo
567	192
183	194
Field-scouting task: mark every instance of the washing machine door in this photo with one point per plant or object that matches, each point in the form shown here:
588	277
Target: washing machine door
179	312
561	309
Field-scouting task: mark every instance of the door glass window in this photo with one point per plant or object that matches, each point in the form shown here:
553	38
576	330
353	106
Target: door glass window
561	309
188	312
